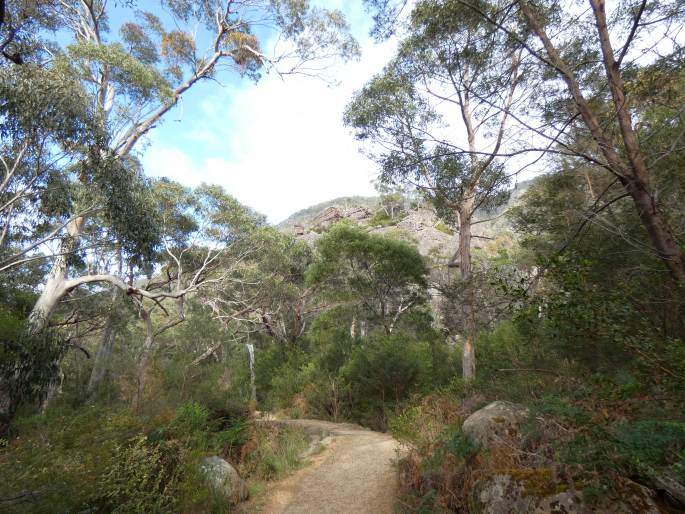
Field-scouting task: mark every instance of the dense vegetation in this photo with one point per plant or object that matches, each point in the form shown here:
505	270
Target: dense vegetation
130	307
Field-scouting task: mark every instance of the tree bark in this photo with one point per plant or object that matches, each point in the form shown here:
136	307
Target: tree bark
102	358
469	351
55	286
633	174
144	358
639	185
54	387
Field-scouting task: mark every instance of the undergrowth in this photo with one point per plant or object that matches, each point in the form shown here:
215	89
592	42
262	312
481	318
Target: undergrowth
111	459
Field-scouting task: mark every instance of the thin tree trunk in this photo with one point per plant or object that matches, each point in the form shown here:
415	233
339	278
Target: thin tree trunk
634	174
102	358
55	384
639	187
109	335
8	404
145	355
469	351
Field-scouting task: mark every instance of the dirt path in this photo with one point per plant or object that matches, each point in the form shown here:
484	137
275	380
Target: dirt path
354	475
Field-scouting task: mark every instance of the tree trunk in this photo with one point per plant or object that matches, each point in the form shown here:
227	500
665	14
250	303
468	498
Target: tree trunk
55	289
102	358
469	351
145	355
633	174
8	405
55	384
639	184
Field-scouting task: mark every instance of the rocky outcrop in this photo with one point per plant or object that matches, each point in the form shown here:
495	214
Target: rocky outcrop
224	479
533	493
496	422
530	490
327	218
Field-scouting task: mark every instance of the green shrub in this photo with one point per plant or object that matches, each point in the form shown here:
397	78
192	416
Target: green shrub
191	417
276	451
652	443
381	219
27	364
141	478
442	227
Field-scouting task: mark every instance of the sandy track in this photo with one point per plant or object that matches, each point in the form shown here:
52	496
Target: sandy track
354	475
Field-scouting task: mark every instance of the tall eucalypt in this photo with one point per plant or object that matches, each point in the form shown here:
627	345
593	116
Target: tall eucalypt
437	119
132	80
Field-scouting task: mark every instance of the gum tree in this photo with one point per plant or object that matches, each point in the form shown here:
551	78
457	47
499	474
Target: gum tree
136	78
436	118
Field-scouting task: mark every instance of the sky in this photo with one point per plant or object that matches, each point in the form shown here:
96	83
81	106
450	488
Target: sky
278	145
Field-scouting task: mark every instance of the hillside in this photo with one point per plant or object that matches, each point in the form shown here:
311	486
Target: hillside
418	222
306	215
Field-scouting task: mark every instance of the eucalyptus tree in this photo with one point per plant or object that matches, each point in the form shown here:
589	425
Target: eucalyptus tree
384	275
22	26
586	104
47	127
205	241
269	293
134	79
437	119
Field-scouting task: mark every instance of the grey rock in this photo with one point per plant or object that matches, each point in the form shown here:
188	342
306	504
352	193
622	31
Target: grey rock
494	423
224	479
504	494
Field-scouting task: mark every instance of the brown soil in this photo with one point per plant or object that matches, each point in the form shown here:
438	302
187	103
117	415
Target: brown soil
354	474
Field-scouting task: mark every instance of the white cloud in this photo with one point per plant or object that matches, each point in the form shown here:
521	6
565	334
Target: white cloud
277	146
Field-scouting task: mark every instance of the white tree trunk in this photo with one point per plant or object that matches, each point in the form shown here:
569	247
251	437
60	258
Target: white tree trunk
55	285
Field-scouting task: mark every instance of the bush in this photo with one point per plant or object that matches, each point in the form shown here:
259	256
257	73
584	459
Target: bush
274	451
191	417
438	470
27	365
142	478
442	227
382	374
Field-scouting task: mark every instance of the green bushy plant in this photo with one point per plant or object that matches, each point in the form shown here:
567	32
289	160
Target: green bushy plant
142	477
276	451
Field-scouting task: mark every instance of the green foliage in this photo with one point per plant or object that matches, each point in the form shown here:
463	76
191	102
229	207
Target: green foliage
136	79
442	227
191	417
45	102
277	452
382	219
653	443
385	275
27	364
141	478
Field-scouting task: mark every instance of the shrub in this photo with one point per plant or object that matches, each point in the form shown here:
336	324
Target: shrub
141	478
442	227
191	417
274	451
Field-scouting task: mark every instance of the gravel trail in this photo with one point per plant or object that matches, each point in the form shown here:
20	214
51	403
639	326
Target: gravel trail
354	474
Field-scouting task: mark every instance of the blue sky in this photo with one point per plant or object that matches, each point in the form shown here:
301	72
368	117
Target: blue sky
279	145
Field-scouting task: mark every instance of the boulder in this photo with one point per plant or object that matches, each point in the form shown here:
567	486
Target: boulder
495	422
502	494
529	493
224	479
